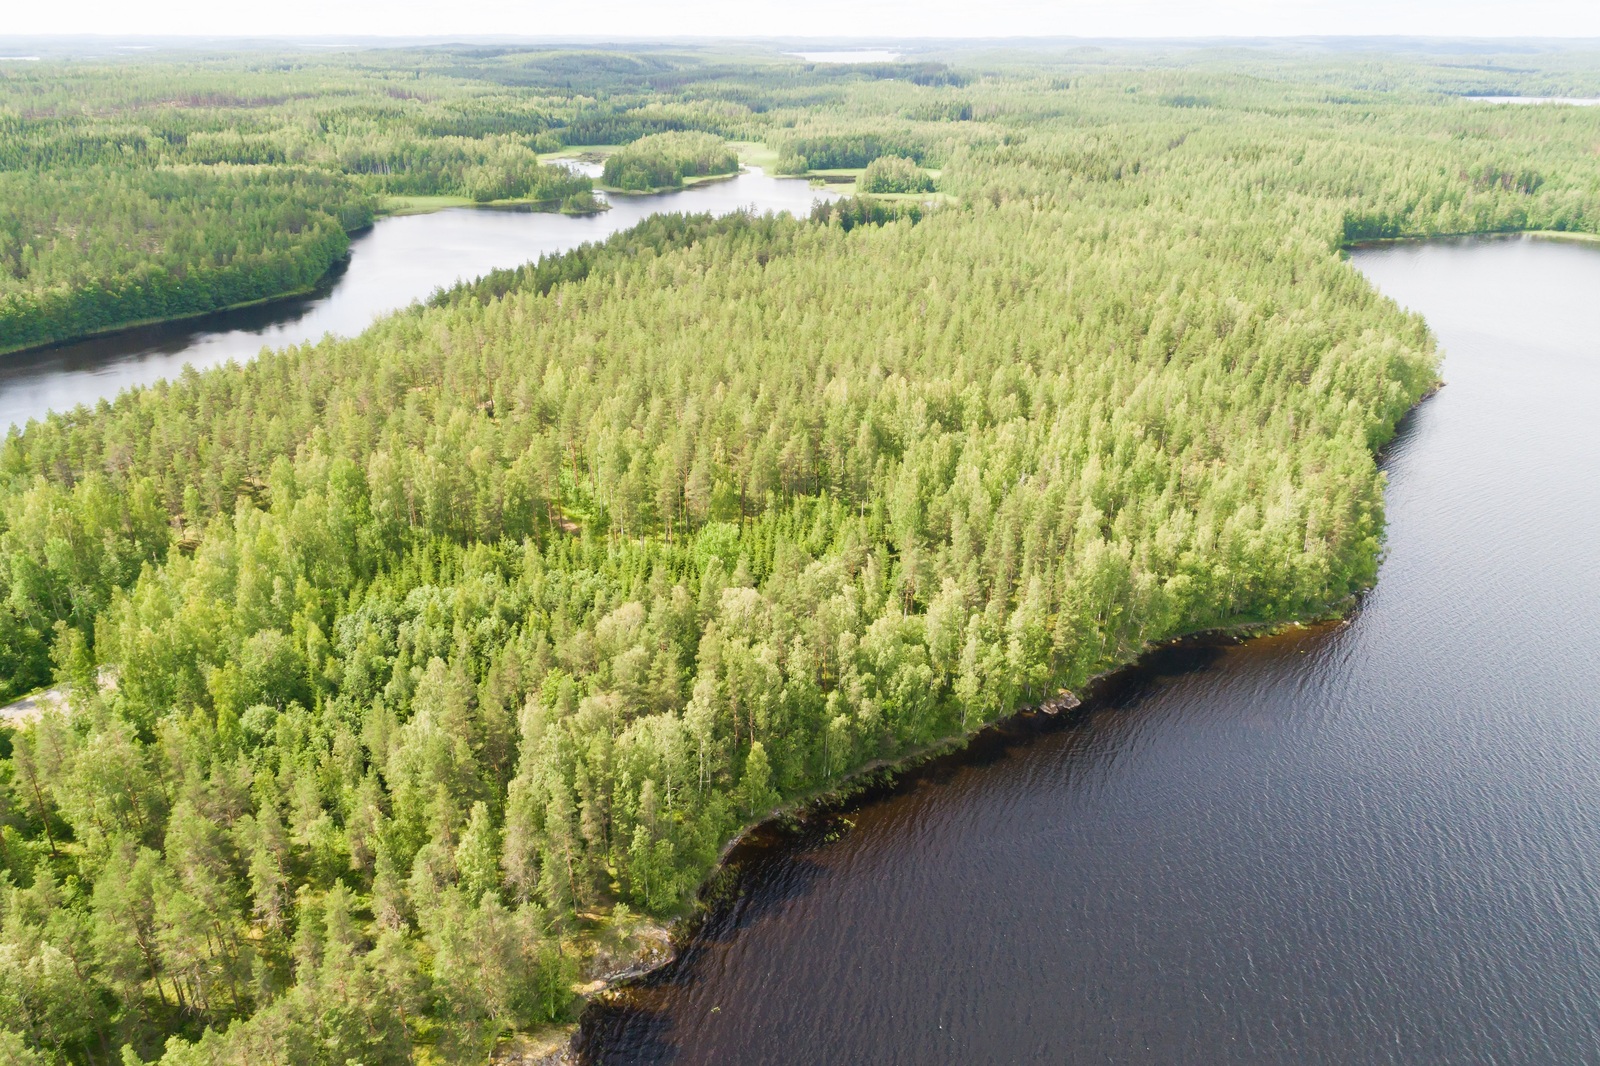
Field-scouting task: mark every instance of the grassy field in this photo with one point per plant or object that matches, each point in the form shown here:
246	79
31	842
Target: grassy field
846	181
916	197
689	181
394	206
420	205
755	154
579	151
837	175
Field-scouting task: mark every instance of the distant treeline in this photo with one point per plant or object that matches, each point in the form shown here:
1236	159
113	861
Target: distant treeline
800	153
469	123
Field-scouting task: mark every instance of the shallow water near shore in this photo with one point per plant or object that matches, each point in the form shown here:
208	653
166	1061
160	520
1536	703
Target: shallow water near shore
1373	842
397	261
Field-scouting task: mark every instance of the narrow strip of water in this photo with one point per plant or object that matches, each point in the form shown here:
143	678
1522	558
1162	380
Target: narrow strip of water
398	261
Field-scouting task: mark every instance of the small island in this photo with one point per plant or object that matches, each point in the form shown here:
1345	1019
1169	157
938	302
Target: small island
665	161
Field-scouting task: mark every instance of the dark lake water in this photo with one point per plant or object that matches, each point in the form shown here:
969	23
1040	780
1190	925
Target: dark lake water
1368	843
395	262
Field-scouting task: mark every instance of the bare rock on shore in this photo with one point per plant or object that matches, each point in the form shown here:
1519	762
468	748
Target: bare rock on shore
1061	701
647	946
550	1047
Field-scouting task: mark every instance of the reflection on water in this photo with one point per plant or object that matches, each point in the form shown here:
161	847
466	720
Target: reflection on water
396	262
1376	842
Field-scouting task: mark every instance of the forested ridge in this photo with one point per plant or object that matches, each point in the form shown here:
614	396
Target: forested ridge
404	668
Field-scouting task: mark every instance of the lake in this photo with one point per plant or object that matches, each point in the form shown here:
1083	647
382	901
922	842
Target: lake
1373	842
397	261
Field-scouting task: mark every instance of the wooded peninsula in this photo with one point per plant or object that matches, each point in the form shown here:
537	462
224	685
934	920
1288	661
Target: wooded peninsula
406	673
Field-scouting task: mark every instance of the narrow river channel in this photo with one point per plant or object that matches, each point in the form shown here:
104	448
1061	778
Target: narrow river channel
397	261
1368	843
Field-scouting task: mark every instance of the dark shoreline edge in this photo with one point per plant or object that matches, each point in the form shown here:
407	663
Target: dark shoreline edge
335	269
143	323
818	817
822	816
1579	236
322	286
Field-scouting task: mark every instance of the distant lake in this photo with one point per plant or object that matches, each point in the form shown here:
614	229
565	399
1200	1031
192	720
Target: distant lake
1351	845
859	55
399	260
1576	101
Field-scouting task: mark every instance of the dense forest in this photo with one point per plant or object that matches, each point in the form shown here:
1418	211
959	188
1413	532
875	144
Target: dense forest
91	248
404	669
207	191
663	160
894	174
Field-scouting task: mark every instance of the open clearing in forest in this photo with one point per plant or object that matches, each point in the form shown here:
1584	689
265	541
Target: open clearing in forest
30	707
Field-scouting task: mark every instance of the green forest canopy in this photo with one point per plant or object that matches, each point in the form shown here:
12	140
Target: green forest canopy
392	658
894	174
85	249
663	160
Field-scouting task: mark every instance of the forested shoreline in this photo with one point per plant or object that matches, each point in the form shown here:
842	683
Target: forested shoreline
405	668
204	195
147	245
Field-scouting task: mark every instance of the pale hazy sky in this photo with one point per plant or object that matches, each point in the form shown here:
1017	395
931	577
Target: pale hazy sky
852	18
